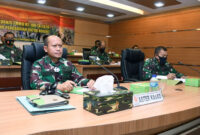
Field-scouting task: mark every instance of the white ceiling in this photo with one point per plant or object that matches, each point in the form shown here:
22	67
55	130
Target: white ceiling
148	11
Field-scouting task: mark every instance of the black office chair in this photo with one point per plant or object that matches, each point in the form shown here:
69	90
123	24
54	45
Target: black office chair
39	50
86	53
32	53
28	57
131	65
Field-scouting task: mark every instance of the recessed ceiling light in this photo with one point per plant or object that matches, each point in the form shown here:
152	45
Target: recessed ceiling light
198	29
198	0
120	6
159	4
110	15
81	9
41	1
108	36
174	30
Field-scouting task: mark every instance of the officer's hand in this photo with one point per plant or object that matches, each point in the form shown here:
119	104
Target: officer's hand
66	86
171	76
90	84
183	77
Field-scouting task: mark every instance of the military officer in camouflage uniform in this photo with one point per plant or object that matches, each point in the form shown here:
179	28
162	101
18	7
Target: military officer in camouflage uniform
9	50
101	54
97	44
54	72
159	65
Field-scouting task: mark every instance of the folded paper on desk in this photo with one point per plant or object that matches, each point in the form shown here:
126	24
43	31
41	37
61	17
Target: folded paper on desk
35	110
170	82
161	77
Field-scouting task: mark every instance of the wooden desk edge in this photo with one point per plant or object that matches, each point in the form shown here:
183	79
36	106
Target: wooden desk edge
124	127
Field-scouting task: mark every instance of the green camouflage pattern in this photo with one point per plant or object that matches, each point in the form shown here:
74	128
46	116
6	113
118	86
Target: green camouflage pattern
14	54
99	105
104	57
5	62
46	73
152	66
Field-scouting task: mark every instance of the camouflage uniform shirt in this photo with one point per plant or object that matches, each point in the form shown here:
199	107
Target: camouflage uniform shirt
46	74
104	58
13	53
152	66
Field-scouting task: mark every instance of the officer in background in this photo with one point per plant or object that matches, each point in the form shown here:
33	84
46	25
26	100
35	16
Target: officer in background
158	65
97	44
54	72
9	50
2	41
101	53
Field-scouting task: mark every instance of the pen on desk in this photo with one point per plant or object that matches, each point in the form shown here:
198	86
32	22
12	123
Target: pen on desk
85	86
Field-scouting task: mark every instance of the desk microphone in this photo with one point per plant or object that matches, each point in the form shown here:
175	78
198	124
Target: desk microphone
118	84
188	66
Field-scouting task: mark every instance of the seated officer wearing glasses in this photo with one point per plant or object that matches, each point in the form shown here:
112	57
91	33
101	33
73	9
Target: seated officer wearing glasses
54	72
159	65
9	50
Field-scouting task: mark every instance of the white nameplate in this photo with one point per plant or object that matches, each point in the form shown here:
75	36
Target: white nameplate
147	98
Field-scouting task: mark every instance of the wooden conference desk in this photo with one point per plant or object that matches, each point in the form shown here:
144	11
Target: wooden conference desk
10	77
75	58
94	71
178	107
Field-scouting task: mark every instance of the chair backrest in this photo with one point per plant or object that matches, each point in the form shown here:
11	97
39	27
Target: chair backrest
28	57
131	64
86	53
32	53
39	50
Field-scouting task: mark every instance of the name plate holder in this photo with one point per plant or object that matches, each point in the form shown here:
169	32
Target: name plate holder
147	98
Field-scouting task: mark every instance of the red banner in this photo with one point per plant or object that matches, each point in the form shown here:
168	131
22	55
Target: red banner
31	26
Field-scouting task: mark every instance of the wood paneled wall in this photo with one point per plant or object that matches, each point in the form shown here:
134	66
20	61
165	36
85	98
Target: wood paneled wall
86	32
151	31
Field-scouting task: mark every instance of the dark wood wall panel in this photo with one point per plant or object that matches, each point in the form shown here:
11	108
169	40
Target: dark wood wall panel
151	31
183	19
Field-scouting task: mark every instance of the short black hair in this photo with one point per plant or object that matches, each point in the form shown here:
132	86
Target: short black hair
97	43
135	47
44	37
9	32
46	41
158	49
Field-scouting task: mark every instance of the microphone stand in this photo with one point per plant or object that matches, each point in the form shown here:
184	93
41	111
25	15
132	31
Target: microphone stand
118	84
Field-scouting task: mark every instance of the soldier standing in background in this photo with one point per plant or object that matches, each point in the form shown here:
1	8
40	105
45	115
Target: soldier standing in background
54	72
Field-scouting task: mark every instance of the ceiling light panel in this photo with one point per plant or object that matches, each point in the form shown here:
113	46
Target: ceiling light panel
120	6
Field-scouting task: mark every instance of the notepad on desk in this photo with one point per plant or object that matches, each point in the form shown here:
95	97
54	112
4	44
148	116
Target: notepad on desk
35	110
79	90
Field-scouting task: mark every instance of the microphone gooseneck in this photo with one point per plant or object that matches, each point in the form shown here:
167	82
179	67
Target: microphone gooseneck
118	84
188	66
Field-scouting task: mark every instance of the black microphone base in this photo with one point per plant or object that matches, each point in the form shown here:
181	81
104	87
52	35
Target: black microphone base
120	88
